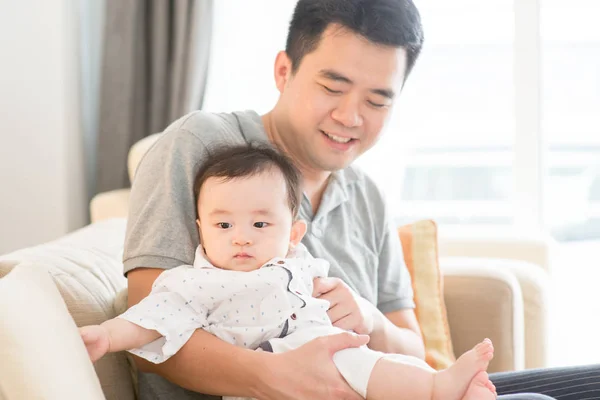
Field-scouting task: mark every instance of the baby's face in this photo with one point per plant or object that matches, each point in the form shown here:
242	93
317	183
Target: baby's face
247	221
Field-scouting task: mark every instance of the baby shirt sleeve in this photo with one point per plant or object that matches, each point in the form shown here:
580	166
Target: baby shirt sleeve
314	267
167	310
317	267
310	269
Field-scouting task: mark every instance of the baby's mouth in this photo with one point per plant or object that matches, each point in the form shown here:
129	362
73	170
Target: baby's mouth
242	255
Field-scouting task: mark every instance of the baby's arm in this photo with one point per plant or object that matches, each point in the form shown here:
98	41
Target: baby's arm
114	335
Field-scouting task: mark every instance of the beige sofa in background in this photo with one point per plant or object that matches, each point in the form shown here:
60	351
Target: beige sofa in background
486	294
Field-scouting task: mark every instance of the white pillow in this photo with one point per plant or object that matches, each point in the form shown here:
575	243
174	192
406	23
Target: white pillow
41	353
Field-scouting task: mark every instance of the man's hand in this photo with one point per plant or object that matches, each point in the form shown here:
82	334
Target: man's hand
347	310
308	372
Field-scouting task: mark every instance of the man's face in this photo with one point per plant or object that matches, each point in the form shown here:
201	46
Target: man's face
335	105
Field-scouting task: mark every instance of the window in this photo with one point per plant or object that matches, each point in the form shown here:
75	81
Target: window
570	122
454	125
501	87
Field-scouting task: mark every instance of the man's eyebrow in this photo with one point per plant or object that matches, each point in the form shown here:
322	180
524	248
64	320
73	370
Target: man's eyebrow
336	76
389	93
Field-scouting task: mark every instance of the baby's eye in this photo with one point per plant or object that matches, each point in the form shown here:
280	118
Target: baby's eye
260	224
224	225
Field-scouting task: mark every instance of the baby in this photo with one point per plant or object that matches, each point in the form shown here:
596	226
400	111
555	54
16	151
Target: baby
252	282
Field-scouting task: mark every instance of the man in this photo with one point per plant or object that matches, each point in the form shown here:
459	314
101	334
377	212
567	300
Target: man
345	62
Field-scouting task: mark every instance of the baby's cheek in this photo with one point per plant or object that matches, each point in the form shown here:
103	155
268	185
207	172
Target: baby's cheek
212	257
262	260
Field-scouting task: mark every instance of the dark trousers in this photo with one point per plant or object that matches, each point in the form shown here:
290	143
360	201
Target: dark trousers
572	383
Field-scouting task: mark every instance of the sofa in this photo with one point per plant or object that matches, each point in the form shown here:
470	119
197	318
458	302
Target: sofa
488	292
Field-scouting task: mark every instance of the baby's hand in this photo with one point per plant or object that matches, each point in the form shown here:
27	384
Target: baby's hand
96	340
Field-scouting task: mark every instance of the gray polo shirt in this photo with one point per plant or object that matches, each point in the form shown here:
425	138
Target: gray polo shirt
351	229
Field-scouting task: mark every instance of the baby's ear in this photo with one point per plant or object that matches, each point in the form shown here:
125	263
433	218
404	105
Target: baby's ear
199	230
299	228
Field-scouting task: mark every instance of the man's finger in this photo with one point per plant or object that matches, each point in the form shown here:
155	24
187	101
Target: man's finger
347	323
333	297
323	285
337	312
344	340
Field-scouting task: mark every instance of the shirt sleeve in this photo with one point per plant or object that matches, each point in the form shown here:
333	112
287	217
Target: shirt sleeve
168	311
394	286
394	282
161	229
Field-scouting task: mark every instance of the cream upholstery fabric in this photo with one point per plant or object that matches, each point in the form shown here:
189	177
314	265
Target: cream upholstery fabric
42	354
86	268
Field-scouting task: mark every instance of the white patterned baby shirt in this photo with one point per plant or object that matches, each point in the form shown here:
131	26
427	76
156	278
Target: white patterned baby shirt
243	308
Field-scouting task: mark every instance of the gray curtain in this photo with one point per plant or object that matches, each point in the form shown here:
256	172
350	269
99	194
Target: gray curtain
154	70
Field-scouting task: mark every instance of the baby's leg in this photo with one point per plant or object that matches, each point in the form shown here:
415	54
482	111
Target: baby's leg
399	379
394	378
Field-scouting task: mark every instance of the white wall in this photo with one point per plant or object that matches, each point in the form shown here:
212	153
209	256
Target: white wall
42	190
246	38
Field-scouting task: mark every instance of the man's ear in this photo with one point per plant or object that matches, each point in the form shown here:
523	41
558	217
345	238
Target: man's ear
282	71
299	228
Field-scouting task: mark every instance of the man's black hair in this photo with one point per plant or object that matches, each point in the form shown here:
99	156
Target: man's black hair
394	23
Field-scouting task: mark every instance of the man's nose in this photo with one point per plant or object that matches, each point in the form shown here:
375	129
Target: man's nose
347	113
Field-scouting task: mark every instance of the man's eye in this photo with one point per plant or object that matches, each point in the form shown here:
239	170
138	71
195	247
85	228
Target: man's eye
331	90
260	224
224	225
377	105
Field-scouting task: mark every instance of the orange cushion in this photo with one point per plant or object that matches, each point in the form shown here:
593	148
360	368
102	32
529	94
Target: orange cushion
419	243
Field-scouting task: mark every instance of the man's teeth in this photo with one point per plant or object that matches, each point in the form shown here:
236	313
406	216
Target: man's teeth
337	138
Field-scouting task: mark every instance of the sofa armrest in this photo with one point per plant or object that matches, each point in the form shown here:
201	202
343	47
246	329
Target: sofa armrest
113	204
508	243
483	300
86	267
535	285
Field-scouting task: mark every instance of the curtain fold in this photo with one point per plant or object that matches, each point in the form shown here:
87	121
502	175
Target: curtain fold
154	70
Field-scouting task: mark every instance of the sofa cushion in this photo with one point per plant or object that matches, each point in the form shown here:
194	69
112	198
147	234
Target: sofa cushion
85	266
42	354
419	243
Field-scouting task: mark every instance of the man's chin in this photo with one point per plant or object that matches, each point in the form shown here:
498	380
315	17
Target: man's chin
336	166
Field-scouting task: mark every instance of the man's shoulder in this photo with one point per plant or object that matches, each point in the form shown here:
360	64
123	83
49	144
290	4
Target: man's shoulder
191	136
211	127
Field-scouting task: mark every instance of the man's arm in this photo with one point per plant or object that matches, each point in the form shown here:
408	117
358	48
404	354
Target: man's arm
209	365
393	332
397	332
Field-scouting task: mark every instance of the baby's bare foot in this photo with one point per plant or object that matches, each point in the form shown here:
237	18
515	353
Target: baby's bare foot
480	388
453	382
477	359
